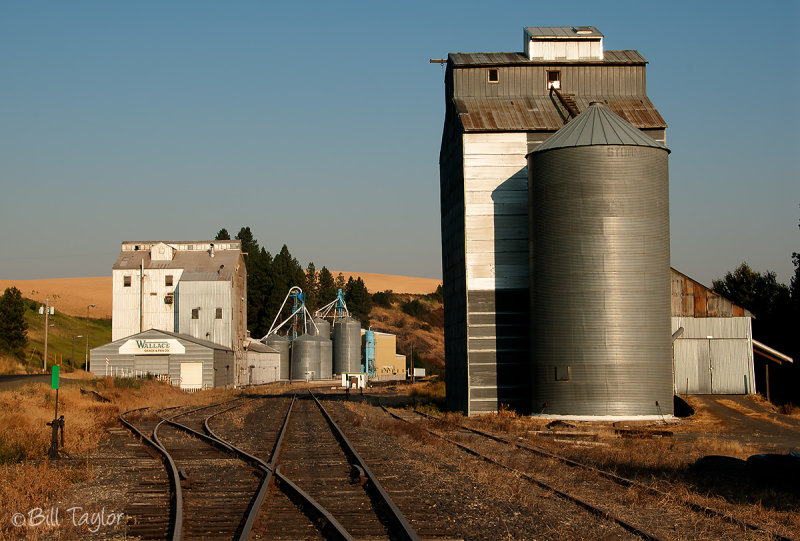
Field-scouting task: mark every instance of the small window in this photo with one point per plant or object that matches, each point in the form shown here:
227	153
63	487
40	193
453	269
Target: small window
563	373
554	80
195	313
494	75
168	280
126	281
219	313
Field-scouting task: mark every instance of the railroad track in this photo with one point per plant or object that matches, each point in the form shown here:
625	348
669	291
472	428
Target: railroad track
307	483
320	480
614	477
643	513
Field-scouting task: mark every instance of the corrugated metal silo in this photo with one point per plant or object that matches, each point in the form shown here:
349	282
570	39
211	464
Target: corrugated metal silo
325	357
280	343
305	357
600	282
346	346
323	328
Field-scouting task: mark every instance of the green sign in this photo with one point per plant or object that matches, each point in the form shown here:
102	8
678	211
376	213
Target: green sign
54	381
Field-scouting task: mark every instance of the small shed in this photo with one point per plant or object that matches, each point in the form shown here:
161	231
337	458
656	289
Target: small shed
713	354
263	363
182	360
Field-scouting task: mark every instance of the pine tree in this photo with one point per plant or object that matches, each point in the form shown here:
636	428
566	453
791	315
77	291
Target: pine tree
310	288
223	235
358	300
13	328
326	288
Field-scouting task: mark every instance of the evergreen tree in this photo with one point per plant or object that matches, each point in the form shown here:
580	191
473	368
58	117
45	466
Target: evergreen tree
326	288
223	235
310	288
249	245
358	300
340	282
13	328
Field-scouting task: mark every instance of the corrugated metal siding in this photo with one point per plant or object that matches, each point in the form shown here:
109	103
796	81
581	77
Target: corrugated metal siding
600	280
531	81
125	301
207	296
692	299
722	364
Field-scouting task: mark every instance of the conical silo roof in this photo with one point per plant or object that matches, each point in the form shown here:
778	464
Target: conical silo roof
598	125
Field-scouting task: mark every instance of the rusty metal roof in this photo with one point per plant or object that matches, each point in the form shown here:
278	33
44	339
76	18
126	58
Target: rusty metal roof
598	125
513	59
531	113
563	32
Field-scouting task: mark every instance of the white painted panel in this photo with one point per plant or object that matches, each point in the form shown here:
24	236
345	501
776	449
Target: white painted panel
717	327
731	366
505	137
502	245
692	366
504	196
491	160
191	375
495	172
497	185
491	271
499	209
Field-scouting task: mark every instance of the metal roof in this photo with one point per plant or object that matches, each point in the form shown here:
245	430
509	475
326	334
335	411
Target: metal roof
186	337
259	347
563	32
628	56
197	265
530	113
598	125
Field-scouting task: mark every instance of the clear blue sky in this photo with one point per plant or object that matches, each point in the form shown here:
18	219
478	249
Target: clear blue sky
318	125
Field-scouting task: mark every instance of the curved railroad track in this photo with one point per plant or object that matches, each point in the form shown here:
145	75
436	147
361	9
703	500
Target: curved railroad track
304	480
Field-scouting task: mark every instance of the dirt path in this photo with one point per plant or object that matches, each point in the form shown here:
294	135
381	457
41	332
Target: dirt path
747	421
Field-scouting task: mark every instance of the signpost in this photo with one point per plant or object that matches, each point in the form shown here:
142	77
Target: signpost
57	422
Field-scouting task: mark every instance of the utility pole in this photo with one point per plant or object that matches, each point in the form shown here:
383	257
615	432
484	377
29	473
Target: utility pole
86	360
46	327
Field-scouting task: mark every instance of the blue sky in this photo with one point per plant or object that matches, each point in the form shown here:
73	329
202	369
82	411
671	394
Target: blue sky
318	125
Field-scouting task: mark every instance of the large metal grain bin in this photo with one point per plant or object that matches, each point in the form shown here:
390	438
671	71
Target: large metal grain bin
346	346
305	357
281	344
600	283
325	357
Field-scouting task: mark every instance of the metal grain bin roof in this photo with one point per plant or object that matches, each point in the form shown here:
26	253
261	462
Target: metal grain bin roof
598	125
471	60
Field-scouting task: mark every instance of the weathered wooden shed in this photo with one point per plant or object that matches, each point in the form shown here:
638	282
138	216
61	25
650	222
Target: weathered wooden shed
183	360
498	108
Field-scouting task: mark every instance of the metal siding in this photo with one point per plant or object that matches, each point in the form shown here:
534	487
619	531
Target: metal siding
208	296
692	366
600	216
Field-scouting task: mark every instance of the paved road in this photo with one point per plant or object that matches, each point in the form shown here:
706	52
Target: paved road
752	422
18	380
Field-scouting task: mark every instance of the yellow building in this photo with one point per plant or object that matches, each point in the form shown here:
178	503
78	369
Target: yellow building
389	365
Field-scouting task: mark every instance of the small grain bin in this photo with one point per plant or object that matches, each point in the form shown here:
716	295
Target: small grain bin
346	346
600	283
280	343
325	357
305	357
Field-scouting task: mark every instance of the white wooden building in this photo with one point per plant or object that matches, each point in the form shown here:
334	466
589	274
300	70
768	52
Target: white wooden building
193	288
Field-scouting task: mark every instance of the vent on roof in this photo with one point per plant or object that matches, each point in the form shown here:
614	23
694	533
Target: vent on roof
582	29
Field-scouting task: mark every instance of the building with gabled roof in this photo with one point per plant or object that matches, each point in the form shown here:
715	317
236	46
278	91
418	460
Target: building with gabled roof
193	288
499	107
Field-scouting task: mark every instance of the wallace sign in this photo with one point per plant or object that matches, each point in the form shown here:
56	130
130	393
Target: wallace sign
152	347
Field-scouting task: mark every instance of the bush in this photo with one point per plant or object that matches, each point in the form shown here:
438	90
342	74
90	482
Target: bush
415	309
384	298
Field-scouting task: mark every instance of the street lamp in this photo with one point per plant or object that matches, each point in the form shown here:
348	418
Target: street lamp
86	361
72	357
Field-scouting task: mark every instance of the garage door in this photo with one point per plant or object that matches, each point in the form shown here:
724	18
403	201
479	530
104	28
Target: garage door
191	376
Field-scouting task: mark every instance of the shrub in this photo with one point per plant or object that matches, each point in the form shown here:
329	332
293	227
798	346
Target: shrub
415	309
384	298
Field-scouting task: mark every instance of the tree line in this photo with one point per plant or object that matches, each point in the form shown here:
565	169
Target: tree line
270	277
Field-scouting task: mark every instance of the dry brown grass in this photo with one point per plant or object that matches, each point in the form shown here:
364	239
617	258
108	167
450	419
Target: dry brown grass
11	365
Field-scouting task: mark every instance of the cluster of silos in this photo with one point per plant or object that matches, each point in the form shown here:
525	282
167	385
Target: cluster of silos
600	283
311	357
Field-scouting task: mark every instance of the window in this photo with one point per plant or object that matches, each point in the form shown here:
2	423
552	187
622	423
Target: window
168	280
195	313
554	80
126	281
563	373
494	75
219	313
